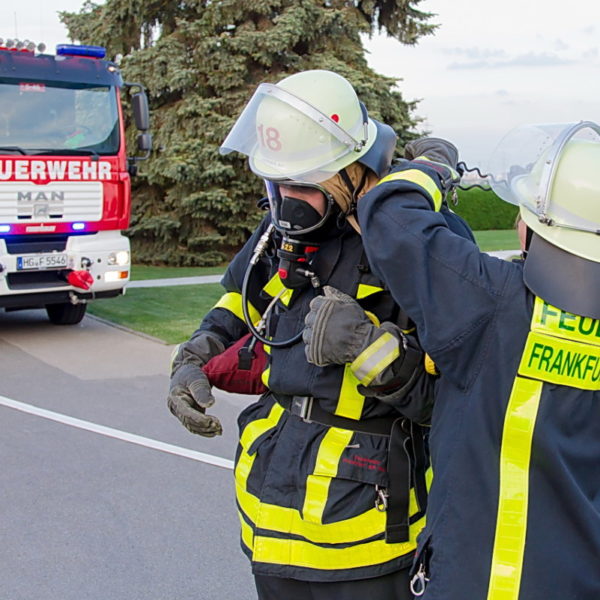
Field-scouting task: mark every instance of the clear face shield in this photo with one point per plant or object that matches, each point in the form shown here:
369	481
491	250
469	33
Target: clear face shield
287	138
532	165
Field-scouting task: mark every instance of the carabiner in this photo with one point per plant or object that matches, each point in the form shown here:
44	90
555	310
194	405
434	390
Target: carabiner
381	502
419	582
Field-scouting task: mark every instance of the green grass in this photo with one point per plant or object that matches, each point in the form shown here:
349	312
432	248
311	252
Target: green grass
168	313
173	313
139	272
504	239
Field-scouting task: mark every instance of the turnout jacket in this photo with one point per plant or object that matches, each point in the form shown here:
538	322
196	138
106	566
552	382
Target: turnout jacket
311	496
514	508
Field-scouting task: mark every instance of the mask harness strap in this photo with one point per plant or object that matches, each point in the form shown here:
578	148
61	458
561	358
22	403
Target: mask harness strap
354	191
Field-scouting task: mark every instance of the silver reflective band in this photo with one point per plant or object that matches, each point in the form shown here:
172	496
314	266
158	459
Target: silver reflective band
315	114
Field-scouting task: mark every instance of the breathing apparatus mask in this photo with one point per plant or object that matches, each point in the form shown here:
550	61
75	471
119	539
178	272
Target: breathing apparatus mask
305	214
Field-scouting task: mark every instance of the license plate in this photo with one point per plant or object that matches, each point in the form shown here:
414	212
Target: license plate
41	261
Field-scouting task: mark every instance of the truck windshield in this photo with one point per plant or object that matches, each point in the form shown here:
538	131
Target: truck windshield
41	117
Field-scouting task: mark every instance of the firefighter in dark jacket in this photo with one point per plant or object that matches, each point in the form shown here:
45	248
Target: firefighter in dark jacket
331	475
514	508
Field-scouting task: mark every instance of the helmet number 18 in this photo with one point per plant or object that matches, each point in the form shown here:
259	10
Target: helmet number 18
269	137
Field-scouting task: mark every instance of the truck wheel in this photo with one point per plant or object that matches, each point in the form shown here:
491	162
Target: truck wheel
66	313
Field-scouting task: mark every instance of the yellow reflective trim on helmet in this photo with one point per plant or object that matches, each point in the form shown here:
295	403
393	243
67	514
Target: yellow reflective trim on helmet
376	358
511	524
426	183
329	454
304	554
350	401
232	301
274	286
367	290
554	321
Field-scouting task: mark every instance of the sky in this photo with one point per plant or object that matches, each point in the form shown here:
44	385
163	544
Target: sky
490	66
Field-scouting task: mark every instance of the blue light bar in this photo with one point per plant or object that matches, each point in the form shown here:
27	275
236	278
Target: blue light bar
77	50
78	226
4	228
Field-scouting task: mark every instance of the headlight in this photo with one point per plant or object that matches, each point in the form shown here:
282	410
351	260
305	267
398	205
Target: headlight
120	258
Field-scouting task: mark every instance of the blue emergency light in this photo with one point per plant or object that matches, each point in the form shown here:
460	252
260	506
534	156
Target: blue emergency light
4	228
77	50
78	226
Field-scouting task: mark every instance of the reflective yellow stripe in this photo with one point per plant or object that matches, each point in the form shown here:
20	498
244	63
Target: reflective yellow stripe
426	183
350	402
247	533
554	321
305	554
511	525
375	358
367	290
232	301
330	451
289	520
274	286
561	361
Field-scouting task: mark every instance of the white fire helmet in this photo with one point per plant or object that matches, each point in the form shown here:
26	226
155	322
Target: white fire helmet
553	173
306	128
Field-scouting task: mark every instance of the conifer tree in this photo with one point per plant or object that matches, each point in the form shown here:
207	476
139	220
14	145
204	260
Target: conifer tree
200	61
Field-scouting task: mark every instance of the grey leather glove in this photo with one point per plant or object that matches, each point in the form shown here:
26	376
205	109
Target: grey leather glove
435	149
338	331
190	392
189	397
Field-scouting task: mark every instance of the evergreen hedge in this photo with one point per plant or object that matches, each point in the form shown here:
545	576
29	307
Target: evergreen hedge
484	210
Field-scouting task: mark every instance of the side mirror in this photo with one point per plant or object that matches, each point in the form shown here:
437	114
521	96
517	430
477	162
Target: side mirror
141	114
144	142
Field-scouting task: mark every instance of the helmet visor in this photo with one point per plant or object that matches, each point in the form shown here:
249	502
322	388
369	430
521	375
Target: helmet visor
286	137
522	164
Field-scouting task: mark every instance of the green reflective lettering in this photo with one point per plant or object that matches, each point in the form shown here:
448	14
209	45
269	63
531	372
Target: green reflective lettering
547	312
545	358
563	317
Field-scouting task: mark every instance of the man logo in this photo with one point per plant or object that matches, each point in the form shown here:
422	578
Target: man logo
40	205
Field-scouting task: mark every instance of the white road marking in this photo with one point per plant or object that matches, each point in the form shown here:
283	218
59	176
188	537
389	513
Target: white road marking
217	461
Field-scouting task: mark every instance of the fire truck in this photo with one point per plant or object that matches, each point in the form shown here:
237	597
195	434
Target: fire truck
65	177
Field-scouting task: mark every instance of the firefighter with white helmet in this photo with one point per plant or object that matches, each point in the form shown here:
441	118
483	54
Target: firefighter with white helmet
331	471
514	508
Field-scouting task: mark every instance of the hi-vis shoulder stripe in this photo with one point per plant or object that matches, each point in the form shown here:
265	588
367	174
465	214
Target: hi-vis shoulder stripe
232	301
426	183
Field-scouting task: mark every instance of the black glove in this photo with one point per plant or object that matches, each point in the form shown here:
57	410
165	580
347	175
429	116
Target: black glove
435	149
190	392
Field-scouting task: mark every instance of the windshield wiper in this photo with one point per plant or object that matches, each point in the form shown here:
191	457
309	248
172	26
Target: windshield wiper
13	149
67	152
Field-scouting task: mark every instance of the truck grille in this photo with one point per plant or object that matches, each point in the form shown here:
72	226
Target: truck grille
51	203
29	244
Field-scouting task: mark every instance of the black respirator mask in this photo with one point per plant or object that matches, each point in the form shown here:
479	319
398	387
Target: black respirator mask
302	227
